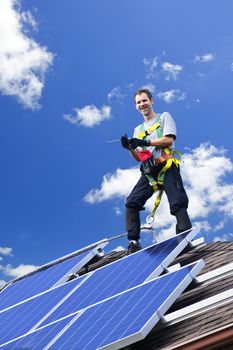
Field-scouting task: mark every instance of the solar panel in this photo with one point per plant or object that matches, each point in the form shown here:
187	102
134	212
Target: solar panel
118	321
44	279
101	284
21	318
124	274
39	339
128	317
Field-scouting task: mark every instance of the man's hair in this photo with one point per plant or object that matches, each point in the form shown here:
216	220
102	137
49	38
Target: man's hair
145	91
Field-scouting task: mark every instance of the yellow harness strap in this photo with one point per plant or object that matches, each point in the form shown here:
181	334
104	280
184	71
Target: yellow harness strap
149	131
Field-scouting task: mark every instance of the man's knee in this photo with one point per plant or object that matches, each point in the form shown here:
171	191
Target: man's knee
133	206
178	200
133	203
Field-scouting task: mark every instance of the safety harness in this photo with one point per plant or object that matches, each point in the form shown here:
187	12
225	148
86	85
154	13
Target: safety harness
167	158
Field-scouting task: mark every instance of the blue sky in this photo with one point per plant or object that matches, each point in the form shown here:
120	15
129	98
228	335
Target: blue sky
68	71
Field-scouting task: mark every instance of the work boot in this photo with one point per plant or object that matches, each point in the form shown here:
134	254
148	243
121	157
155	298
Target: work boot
133	247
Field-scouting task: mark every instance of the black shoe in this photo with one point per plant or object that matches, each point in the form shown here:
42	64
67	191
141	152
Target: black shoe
133	247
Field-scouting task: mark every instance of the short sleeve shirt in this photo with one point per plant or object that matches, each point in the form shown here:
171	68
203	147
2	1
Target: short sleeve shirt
168	127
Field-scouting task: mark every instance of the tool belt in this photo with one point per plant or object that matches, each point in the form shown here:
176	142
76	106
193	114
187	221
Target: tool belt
148	164
163	158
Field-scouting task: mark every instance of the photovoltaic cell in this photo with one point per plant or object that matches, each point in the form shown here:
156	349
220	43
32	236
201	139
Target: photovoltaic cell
123	274
19	319
42	280
38	339
128	317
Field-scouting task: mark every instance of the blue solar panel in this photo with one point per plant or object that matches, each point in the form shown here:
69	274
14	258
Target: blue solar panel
21	318
103	283
116	322
43	280
128	317
124	274
39	339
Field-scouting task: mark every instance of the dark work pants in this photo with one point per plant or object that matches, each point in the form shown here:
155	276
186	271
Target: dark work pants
177	198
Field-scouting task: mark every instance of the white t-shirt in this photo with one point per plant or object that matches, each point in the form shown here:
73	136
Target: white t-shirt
168	127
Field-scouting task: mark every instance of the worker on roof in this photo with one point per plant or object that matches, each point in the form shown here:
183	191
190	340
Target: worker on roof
153	145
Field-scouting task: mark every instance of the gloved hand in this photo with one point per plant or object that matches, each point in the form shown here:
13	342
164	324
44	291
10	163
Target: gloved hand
125	142
134	143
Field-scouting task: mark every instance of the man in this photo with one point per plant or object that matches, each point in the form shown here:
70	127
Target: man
155	137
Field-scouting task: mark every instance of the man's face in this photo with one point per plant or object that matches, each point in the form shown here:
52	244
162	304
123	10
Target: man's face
143	104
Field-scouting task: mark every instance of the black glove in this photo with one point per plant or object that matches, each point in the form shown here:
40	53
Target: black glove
134	143
125	142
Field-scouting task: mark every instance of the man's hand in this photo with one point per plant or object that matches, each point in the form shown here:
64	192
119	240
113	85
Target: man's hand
134	143
125	142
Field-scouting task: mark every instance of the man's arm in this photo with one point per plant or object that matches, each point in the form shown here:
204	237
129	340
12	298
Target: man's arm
164	141
132	144
134	154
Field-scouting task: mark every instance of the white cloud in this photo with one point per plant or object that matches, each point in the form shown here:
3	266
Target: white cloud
22	269
160	234
23	62
2	283
204	58
150	64
117	211
219	226
171	95
150	87
116	94
6	251
131	86
224	238
89	116
203	225
28	18
119	248
114	185
172	69
203	171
